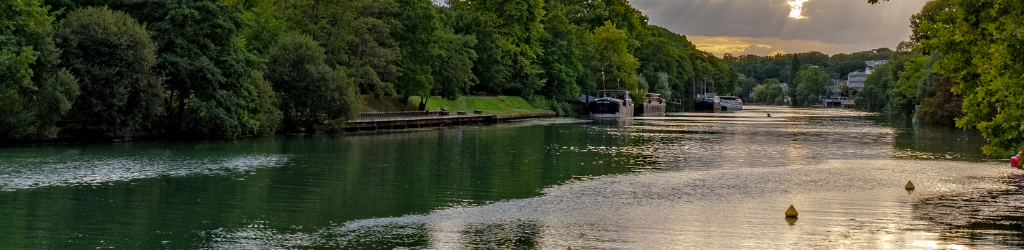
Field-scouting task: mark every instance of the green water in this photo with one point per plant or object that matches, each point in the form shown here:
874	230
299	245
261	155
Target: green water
686	181
149	195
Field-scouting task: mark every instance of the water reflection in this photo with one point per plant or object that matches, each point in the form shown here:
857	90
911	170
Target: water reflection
684	181
256	192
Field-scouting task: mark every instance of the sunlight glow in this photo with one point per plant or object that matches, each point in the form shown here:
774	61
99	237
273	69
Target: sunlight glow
797	6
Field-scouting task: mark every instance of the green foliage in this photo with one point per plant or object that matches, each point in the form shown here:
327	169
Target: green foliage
980	43
746	86
34	93
419	43
810	83
662	86
769	92
203	63
875	95
206	60
356	34
904	96
453	69
112	56
518	22
262	26
562	57
641	83
613	58
488	67
781	66
266	112
314	96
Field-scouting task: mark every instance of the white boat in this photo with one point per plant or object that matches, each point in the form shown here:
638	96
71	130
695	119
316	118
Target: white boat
728	103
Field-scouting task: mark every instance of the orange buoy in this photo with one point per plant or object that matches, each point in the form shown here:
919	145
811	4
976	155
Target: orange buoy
791	212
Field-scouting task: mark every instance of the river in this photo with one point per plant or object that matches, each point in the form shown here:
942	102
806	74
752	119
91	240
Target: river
685	181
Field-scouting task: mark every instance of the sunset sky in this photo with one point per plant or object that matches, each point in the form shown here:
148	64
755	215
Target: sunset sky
765	27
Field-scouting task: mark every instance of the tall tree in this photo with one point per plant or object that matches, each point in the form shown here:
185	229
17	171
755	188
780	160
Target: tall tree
810	83
519	24
356	34
561	60
612	57
202	65
980	43
34	93
112	56
314	96
453	69
419	42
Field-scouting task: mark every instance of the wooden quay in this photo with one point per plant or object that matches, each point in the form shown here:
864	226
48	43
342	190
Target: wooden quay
420	119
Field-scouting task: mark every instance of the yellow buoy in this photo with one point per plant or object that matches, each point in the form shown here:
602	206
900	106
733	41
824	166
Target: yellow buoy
570	248
909	186
791	212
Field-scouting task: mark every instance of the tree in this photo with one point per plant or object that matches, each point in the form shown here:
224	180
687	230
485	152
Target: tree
980	46
356	34
904	96
419	42
561	61
112	56
453	71
768	92
34	93
811	83
875	95
488	67
612	57
746	86
262	26
794	68
202	65
518	23
662	87
314	96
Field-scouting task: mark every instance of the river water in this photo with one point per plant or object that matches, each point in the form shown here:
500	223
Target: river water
685	181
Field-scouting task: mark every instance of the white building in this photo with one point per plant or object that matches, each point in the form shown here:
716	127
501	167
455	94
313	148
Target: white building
856	79
875	63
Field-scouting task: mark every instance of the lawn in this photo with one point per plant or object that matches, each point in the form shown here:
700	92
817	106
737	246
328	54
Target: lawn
501	105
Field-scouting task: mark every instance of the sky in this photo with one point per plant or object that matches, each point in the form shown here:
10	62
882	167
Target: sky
764	27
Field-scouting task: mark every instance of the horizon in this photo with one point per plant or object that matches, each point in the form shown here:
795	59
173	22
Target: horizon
763	28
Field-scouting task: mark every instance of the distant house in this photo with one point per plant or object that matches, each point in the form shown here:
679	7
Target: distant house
856	79
875	63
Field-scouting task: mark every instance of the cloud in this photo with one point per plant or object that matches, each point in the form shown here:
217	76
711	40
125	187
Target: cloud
837	22
720	45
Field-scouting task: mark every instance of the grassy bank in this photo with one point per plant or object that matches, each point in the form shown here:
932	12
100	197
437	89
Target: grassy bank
501	105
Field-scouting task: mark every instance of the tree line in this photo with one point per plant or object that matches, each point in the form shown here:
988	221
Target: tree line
807	75
228	68
961	66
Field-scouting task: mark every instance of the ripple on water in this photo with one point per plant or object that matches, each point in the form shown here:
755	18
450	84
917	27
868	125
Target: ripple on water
843	204
91	170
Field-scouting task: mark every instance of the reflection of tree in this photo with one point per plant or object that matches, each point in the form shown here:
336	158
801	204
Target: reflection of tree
326	180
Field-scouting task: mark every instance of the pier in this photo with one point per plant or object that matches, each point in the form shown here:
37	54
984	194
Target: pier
420	119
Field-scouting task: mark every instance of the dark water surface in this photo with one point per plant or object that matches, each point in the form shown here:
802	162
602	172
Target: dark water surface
709	180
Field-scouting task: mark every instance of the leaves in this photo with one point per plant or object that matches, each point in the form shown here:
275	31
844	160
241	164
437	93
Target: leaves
112	56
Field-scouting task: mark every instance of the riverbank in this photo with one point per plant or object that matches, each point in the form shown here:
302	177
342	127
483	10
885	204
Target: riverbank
498	105
391	113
